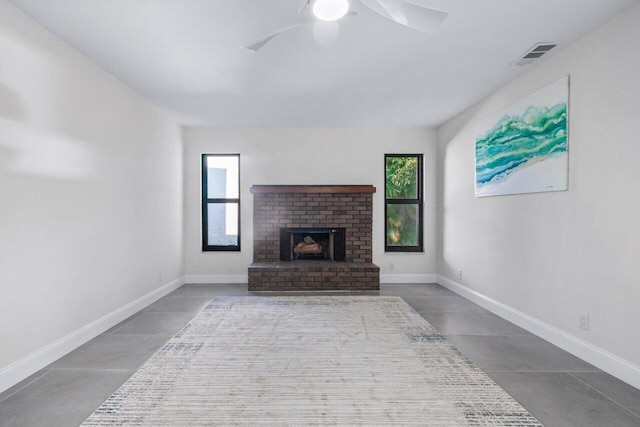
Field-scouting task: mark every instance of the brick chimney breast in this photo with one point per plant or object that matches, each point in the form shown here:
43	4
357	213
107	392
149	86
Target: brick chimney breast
306	207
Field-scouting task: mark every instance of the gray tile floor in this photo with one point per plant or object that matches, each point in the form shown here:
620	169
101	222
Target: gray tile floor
559	389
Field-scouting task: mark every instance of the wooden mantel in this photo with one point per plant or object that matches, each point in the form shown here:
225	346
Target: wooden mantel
263	189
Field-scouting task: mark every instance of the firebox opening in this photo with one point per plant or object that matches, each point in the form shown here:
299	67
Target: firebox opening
312	244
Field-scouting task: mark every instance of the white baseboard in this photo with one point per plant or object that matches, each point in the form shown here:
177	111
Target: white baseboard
32	363
408	278
244	278
216	278
598	357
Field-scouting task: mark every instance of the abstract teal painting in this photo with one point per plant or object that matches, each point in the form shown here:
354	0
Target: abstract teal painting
524	148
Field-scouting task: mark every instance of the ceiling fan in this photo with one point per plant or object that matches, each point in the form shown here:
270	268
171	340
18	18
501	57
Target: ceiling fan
420	18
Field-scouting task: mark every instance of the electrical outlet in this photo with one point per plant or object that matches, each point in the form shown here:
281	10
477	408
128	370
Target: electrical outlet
583	320
459	274
392	266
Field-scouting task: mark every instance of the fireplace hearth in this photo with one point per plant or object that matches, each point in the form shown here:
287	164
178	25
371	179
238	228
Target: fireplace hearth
313	238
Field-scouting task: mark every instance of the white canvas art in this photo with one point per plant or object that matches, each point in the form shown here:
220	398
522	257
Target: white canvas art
524	148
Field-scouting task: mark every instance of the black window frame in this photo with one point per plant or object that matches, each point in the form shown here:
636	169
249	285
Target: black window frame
206	247
419	201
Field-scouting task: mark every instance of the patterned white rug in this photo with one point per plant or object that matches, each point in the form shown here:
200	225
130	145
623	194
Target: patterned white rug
311	360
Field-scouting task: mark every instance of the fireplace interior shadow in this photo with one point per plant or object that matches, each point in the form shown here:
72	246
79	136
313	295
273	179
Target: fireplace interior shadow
313	244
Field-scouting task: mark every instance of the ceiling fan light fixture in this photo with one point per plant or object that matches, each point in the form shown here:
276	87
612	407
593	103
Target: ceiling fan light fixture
330	10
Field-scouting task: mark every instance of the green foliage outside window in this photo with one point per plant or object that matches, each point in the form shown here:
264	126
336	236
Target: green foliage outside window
402	225
402	177
403	195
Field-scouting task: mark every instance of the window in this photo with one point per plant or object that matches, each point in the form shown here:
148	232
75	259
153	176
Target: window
403	203
220	202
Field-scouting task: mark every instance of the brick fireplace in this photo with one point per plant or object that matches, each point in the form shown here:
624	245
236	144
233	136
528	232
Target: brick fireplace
337	219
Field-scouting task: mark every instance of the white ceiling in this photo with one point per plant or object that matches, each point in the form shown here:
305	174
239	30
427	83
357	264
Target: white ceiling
186	57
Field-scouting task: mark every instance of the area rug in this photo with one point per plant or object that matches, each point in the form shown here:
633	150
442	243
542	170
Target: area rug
309	360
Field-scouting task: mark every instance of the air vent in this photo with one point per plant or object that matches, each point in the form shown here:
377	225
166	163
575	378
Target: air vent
537	51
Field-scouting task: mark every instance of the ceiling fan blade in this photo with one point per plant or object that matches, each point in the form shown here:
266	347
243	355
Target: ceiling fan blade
305	5
423	19
419	18
392	9
259	44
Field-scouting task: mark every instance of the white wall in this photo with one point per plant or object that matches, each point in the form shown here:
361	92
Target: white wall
306	156
551	255
90	191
